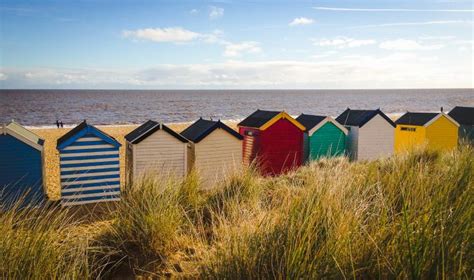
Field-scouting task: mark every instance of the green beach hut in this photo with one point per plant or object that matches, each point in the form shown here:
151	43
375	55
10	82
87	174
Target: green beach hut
324	137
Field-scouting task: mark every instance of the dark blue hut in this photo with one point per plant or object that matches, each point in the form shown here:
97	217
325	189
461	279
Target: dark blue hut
21	166
89	164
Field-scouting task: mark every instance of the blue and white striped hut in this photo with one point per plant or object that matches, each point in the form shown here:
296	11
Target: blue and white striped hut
21	166
89	164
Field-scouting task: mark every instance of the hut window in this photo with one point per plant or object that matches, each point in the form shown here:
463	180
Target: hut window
411	129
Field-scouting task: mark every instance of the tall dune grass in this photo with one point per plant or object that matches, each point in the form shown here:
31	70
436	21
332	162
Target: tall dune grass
47	243
409	217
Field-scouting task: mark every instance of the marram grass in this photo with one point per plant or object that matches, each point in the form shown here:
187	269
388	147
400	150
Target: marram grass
406	217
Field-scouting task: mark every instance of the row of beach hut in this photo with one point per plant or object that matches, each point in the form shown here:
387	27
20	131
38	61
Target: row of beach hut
274	141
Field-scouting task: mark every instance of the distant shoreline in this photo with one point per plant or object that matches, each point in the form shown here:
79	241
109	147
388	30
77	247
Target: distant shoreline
393	116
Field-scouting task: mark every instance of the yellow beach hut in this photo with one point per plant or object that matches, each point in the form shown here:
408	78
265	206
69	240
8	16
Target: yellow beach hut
436	130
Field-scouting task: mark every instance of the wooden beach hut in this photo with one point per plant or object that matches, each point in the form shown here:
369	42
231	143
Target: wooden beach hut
274	140
216	150
435	130
89	166
21	166
155	149
464	116
324	137
371	133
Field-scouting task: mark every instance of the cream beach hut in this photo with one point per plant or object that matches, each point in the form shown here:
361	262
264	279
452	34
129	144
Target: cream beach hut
217	150
371	133
155	149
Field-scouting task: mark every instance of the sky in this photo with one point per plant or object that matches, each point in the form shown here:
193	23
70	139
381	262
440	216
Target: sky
225	44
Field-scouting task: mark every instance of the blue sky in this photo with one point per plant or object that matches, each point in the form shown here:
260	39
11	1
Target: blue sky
236	44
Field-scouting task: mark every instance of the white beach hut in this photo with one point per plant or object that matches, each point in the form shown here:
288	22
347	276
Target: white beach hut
371	133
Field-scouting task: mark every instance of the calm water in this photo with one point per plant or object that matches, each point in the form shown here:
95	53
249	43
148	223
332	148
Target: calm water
43	107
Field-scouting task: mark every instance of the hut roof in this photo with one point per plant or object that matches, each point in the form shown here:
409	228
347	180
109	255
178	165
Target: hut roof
360	117
201	128
310	121
463	115
313	123
148	128
263	119
420	119
23	134
82	129
258	118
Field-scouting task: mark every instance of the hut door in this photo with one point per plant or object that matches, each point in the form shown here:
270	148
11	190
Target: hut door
248	147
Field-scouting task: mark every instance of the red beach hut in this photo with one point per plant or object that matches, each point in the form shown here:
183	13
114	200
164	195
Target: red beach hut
274	140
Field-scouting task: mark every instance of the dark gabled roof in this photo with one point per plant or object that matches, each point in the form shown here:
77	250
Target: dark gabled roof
419	119
148	128
141	130
463	115
72	132
360	117
80	127
258	118
201	128
310	121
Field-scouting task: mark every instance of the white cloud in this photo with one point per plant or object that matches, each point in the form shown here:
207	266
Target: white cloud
181	35
301	21
216	12
3	77
214	37
407	45
465	45
435	22
324	54
237	49
342	42
169	34
338	9
437	38
194	11
396	70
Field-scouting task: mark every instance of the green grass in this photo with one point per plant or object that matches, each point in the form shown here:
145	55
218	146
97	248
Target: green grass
406	217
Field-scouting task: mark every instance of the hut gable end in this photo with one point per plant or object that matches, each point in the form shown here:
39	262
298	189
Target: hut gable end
89	166
376	139
85	130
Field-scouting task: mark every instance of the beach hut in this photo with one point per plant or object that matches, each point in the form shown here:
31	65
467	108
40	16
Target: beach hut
21	166
464	116
435	130
216	149
324	137
371	133
89	166
274	140
155	149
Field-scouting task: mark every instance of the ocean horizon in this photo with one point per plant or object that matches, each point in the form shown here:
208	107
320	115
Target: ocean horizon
42	107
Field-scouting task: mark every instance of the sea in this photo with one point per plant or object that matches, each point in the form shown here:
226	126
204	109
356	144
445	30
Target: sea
41	108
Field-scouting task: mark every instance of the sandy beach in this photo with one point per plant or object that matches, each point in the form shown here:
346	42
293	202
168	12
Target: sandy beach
51	157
